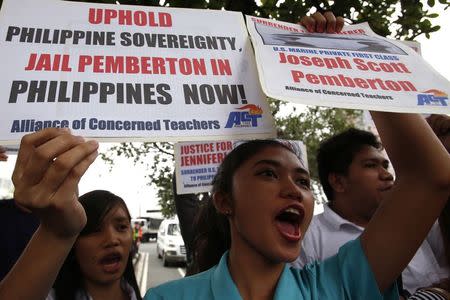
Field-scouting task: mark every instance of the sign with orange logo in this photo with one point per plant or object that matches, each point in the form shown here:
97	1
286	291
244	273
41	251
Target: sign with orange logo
352	69
128	72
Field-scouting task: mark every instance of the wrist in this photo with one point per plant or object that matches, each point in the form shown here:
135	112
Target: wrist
52	236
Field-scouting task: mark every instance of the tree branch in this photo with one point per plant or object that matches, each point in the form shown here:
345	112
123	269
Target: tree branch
161	149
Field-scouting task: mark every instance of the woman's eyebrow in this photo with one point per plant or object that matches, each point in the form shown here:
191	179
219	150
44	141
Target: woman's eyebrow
276	163
302	171
272	162
120	219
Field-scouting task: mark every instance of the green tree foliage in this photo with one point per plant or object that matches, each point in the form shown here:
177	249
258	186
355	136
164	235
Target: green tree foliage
409	17
400	19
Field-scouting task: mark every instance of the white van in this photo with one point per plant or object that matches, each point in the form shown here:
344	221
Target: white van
169	243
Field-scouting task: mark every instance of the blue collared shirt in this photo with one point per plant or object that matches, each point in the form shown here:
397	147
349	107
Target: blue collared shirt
346	275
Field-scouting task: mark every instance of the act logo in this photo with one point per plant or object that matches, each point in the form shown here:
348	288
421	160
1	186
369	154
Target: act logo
432	97
246	116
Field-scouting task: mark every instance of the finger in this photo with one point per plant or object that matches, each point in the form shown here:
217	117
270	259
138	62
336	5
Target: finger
340	22
320	21
70	184
308	22
3	157
444	125
44	155
27	145
431	120
432	117
439	123
64	165
42	196
331	21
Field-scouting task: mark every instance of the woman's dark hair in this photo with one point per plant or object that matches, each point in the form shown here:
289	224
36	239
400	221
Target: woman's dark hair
212	232
97	204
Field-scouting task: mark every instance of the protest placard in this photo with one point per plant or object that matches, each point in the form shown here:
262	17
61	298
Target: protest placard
196	163
353	69
128	72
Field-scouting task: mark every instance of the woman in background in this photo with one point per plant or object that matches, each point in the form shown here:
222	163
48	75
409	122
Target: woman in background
100	266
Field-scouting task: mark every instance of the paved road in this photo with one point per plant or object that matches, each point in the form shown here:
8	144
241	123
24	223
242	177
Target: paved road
150	270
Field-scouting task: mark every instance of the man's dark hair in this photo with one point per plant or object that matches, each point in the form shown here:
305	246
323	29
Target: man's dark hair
336	154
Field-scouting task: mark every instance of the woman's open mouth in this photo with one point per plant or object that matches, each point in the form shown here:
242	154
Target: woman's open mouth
111	263
288	222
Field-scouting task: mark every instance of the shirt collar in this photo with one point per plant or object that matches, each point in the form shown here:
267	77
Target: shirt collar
336	221
224	288
286	286
222	284
83	294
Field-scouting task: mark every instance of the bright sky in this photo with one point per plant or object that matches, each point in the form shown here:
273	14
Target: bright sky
129	182
125	179
434	50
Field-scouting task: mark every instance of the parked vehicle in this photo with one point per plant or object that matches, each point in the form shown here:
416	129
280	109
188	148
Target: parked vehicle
153	226
169	243
149	228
